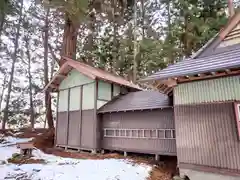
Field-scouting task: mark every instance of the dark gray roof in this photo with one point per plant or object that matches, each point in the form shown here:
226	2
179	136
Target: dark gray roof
201	51
140	100
227	58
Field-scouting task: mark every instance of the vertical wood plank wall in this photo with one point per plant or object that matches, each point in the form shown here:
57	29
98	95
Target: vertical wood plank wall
75	112
207	135
147	119
79	99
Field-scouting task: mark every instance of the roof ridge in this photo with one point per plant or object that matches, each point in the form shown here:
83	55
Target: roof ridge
87	65
223	32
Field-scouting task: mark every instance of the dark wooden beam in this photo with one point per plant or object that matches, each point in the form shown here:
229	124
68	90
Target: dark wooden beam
68	115
56	128
170	89
61	76
80	109
53	86
228	71
209	76
171	82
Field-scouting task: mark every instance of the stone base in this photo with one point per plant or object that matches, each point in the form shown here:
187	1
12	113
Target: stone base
200	175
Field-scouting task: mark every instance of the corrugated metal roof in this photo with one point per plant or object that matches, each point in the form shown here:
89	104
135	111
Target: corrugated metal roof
89	71
137	101
225	60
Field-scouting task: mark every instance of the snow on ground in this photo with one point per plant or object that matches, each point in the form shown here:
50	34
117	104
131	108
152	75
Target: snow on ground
58	168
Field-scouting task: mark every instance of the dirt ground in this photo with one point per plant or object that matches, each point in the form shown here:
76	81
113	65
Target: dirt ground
44	140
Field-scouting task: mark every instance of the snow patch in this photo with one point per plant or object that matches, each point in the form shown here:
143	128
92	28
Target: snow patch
58	168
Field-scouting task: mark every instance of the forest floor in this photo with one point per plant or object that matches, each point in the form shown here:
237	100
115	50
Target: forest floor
51	163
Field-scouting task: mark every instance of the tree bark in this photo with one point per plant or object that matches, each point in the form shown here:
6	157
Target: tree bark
14	58
48	101
2	21
89	44
69	46
143	18
30	85
115	43
135	44
3	90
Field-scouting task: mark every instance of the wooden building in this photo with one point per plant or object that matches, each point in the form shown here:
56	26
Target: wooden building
140	122
98	110
82	90
206	91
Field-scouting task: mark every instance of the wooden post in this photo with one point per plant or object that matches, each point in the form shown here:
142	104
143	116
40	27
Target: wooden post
56	126
80	109
68	115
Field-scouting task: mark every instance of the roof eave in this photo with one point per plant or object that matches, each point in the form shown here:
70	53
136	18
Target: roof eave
138	109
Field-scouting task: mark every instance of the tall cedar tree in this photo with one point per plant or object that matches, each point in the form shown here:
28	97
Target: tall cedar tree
14	59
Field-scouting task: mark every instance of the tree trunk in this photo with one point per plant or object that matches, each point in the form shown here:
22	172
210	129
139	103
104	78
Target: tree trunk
135	44
3	90
115	43
48	101
186	42
89	44
171	57
69	46
143	18
14	58
2	21
30	85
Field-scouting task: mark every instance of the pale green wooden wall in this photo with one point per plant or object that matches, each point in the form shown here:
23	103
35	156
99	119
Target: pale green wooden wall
100	103
73	79
88	96
104	90
63	101
116	90
213	90
75	99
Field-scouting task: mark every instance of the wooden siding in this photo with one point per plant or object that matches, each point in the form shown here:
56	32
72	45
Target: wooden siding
74	128
116	90
104	90
62	127
88	133
63	101
88	96
162	119
207	135
214	90
232	38
73	79
75	95
100	103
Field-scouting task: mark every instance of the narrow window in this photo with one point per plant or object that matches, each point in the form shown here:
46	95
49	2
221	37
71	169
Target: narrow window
161	134
135	133
109	133
168	134
173	134
117	133
147	133
140	133
122	133
237	112
153	133
128	133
